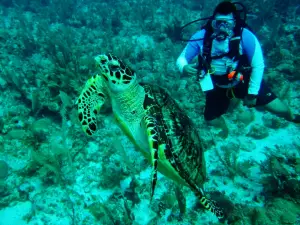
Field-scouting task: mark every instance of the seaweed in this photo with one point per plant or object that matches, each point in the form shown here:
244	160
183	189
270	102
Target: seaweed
280	176
231	163
173	30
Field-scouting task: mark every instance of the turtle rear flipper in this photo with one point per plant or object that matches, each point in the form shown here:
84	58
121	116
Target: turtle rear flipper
210	205
89	103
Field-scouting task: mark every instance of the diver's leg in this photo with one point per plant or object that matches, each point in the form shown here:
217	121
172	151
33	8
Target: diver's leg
271	103
234	103
280	109
220	123
216	105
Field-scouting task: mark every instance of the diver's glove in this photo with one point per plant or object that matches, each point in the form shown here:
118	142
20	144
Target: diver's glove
250	100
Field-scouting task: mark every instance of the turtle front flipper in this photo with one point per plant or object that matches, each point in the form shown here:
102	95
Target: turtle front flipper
89	103
152	133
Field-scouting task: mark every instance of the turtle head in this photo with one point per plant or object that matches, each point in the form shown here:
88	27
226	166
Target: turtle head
117	74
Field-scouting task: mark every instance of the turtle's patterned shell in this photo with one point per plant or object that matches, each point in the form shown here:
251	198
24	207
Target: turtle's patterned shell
172	131
184	149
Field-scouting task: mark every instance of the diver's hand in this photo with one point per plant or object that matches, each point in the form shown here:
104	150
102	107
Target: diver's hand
189	70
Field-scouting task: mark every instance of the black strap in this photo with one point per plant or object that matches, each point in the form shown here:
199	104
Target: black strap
234	47
206	52
234	50
234	53
243	66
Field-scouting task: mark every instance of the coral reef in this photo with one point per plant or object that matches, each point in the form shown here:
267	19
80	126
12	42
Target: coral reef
50	171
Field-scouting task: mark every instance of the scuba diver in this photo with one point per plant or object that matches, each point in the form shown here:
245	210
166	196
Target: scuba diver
230	65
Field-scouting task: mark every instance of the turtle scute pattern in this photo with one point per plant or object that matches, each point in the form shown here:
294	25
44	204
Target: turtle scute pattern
175	148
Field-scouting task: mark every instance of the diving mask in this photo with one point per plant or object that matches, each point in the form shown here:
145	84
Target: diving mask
223	26
223	23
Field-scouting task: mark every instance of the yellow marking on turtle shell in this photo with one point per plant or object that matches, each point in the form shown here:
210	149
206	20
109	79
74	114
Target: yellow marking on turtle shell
164	166
161	152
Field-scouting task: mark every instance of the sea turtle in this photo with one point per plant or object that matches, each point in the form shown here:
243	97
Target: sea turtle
153	122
